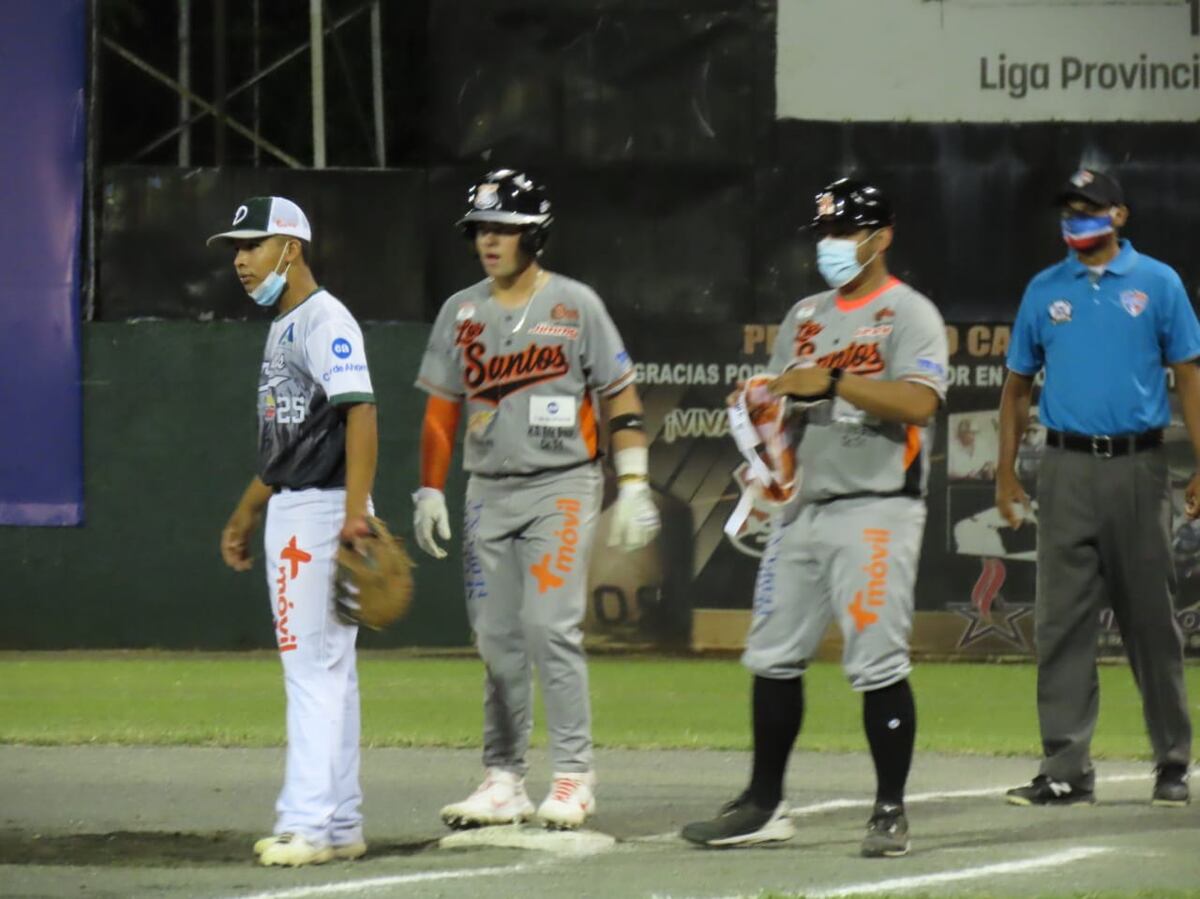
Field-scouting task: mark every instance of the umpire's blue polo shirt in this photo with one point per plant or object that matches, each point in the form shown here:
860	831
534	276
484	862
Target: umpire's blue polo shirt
1104	342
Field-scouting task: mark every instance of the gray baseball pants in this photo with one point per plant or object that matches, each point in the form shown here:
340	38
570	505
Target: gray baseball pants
1104	540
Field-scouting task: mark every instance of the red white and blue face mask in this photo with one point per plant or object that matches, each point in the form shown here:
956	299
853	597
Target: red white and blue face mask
1086	232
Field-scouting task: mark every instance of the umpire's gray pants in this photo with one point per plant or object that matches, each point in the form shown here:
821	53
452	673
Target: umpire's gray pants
1104	539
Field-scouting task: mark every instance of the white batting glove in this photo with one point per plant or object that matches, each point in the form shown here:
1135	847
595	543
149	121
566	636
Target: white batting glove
430	515
635	522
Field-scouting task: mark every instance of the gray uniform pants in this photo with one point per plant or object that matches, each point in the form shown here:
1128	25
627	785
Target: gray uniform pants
1104	539
526	547
852	560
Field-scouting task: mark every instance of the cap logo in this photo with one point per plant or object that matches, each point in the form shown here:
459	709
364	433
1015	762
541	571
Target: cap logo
826	205
544	207
487	196
242	212
522	182
1082	178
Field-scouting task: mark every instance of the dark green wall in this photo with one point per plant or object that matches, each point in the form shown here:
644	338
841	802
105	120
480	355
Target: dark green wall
169	443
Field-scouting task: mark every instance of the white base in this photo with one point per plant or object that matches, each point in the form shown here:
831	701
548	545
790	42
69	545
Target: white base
513	836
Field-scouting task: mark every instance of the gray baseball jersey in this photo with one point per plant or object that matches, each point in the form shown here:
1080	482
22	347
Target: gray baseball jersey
527	375
895	334
848	551
313	362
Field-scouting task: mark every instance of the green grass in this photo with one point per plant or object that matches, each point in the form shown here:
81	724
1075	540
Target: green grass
237	700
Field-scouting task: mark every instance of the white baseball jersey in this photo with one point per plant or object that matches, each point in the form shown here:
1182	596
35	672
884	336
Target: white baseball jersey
527	375
314	361
895	333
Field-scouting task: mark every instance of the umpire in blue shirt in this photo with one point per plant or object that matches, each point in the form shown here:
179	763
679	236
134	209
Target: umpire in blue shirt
1103	324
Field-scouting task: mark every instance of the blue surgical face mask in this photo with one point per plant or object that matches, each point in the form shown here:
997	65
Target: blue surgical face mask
837	259
269	289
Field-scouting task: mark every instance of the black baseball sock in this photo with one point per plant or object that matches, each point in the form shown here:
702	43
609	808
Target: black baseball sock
778	710
890	720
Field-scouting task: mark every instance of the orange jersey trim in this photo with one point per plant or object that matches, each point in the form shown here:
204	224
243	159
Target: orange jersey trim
912	447
850	305
587	425
437	440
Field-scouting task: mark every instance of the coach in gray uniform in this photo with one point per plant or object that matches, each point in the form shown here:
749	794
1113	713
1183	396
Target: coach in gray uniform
872	353
1102	324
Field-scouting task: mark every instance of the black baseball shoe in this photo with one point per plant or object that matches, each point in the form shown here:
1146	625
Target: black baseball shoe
1044	791
1171	786
887	832
742	823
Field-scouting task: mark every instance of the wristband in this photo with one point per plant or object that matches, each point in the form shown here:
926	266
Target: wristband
629	421
632	464
835	375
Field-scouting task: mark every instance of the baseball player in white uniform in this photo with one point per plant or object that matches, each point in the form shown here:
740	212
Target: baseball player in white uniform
869	359
538	364
316	466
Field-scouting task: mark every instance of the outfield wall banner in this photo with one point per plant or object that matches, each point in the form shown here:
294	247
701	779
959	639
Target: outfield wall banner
42	129
976	581
989	60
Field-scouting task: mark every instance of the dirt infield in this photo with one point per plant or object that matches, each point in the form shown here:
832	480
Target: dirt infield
173	822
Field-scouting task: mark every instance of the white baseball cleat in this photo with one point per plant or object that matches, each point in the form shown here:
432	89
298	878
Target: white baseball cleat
292	850
500	799
571	800
348	852
262	844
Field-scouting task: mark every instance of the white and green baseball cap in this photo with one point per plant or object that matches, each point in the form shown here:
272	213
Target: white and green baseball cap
264	216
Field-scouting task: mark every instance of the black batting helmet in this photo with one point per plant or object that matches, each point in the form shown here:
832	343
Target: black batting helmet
849	205
511	198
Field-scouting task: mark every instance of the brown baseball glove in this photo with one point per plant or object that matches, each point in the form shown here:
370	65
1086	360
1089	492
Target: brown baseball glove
374	582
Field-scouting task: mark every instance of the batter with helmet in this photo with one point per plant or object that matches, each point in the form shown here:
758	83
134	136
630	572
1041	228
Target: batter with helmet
863	373
536	363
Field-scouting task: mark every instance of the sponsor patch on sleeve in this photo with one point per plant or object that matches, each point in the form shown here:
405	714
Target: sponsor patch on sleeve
931	367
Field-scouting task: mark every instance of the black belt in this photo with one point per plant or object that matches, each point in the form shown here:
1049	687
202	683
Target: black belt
1104	446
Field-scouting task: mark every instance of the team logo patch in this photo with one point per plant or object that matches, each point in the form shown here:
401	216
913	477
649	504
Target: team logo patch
288	336
883	313
805	312
487	196
561	313
342	348
1060	311
931	366
1134	302
465	311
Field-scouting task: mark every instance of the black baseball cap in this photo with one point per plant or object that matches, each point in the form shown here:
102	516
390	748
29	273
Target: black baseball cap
1092	186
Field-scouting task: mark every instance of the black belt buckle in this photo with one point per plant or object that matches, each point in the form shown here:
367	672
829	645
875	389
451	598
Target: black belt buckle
1102	446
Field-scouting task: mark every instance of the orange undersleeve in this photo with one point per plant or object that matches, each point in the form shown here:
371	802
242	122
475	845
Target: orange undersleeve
437	440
